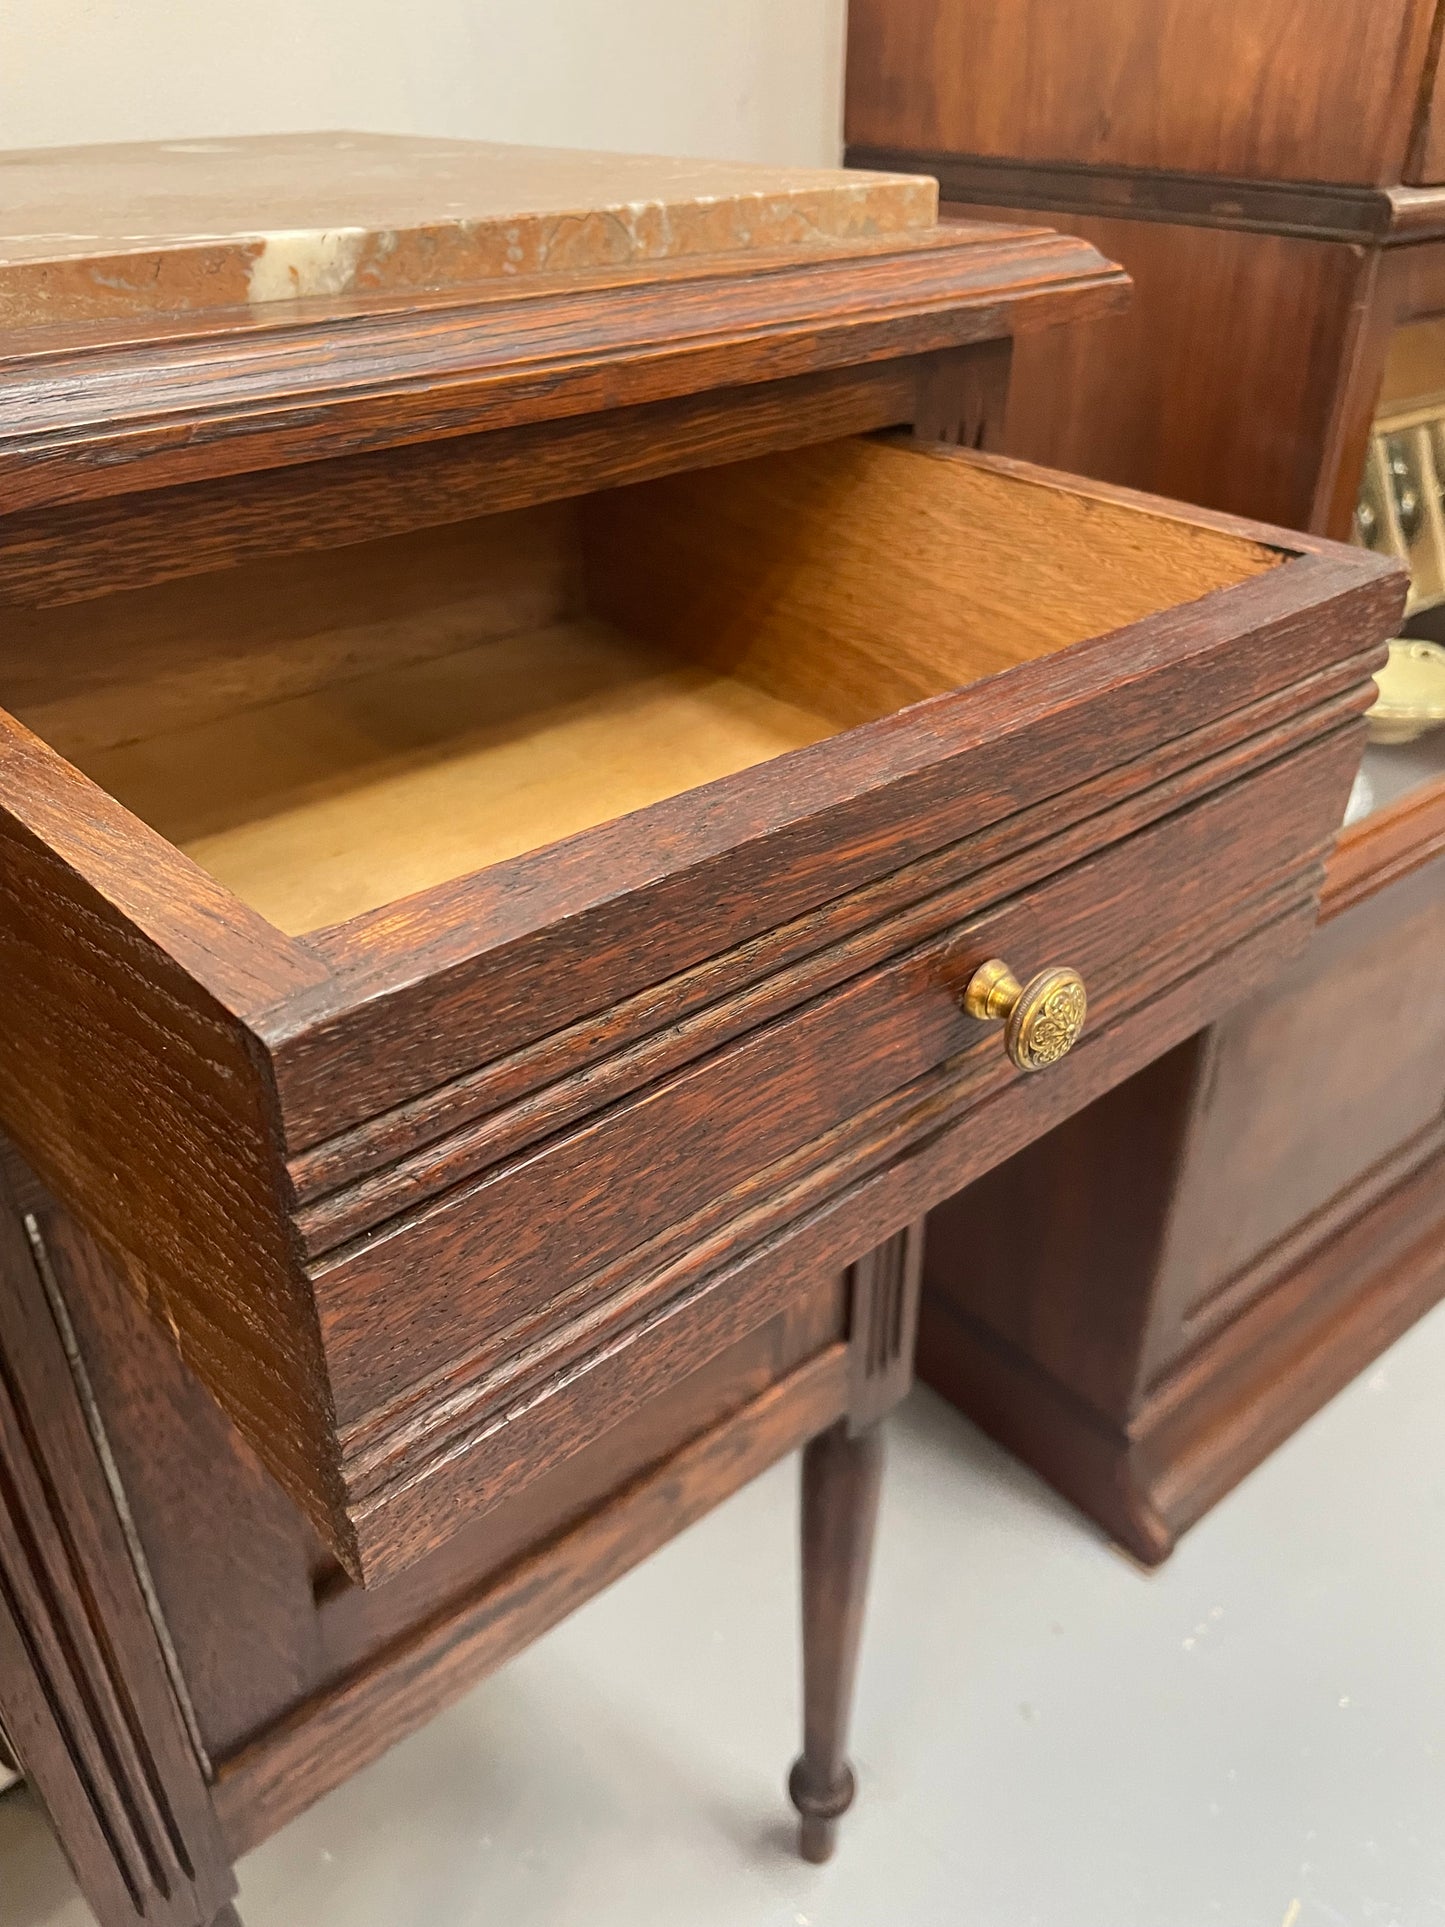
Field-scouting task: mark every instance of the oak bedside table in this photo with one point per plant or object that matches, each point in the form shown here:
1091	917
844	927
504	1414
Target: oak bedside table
533	732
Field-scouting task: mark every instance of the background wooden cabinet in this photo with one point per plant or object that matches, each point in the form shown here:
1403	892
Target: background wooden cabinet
1149	1299
1293	90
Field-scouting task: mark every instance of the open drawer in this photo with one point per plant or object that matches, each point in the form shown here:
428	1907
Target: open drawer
436	969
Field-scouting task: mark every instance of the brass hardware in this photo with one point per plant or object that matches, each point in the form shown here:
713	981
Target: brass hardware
1041	1019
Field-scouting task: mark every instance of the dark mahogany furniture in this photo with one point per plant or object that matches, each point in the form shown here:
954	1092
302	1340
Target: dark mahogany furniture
519	741
1230	1237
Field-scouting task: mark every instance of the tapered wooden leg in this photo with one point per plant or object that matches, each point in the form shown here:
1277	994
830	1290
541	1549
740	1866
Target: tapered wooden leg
841	1476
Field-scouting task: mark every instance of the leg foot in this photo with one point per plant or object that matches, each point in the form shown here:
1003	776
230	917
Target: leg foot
819	1809
841	1476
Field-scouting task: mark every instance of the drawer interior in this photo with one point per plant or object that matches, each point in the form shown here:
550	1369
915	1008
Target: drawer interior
327	732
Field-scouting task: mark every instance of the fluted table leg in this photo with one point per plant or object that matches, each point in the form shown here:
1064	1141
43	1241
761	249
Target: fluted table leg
841	1477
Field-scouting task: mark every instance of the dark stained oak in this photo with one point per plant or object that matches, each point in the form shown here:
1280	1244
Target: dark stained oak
842	1472
85	1694
227	1547
86	419
814	899
74	554
326	1738
456	1198
258	509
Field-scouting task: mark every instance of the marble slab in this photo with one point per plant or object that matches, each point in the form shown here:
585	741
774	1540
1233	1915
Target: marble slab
189	227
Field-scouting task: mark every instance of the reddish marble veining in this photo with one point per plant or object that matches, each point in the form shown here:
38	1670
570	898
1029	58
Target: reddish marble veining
188	227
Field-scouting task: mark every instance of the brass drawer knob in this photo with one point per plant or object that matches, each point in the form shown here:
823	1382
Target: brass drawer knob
1041	1019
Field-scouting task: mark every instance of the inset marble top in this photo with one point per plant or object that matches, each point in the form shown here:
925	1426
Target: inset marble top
193	226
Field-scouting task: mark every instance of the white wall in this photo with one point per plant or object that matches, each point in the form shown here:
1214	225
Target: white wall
745	79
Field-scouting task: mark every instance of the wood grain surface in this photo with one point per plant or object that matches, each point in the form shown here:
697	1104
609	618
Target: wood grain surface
85	1694
697	1069
164	658
1385	216
936	813
1307	90
130	1080
319	807
1218	1257
694	877
1060	676
1426	161
331	1737
784	571
1217	385
87	417
842	1476
389	752
95	549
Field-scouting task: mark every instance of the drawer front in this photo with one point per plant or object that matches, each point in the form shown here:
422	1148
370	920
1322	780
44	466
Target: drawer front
472	1275
476	1343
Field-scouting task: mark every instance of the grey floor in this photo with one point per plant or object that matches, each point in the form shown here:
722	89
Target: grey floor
1045	1737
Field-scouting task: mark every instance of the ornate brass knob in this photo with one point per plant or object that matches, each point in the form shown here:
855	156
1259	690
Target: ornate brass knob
1041	1019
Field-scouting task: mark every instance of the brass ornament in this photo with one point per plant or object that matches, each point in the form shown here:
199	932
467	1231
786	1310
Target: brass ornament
1042	1019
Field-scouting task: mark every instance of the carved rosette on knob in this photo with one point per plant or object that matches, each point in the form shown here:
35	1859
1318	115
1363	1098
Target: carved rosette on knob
1041	1019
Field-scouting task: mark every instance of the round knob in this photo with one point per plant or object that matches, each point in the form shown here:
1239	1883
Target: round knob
1041	1019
